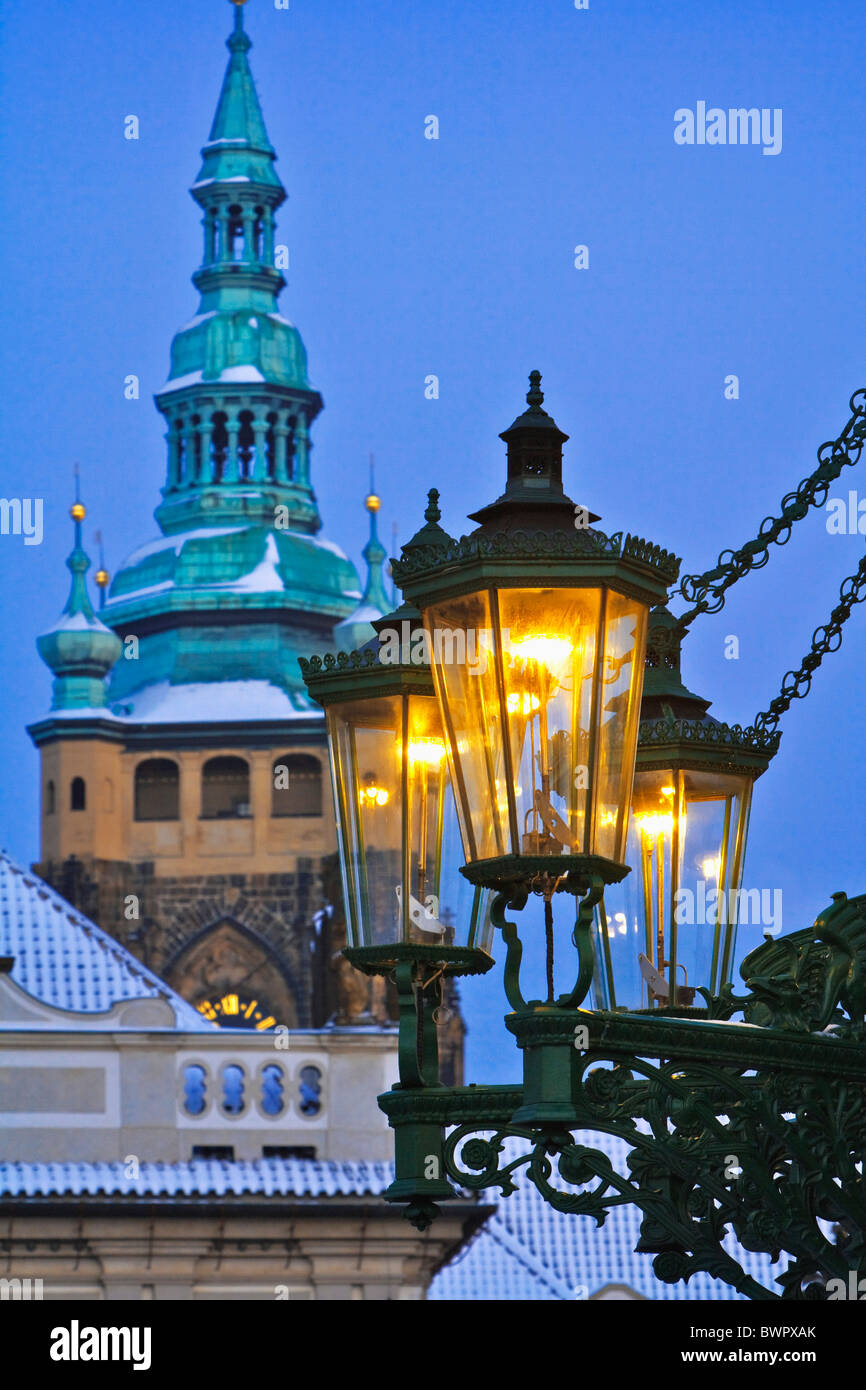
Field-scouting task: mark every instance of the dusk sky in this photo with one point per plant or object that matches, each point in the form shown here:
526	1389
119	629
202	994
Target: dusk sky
455	257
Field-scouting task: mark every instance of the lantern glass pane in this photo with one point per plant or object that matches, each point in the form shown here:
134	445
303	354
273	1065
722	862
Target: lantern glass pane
464	669
549	641
622	687
400	845
678	909
366	747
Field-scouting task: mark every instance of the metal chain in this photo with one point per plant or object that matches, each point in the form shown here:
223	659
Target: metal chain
825	639
707	591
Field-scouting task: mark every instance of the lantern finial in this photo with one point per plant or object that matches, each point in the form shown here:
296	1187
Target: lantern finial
534	395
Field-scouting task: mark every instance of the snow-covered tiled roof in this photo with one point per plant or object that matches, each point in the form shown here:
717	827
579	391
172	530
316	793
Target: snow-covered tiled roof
67	961
528	1251
265	1177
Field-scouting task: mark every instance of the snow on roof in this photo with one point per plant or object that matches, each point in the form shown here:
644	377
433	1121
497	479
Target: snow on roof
364	613
236	178
528	1251
245	373
163	703
79	622
265	578
67	961
176	542
266	1177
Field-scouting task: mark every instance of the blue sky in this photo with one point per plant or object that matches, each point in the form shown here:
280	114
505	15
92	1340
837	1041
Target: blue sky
455	257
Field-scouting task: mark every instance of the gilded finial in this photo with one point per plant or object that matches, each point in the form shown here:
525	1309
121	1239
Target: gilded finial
77	510
372	501
534	395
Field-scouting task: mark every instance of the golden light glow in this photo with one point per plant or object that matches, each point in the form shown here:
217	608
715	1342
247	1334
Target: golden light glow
712	867
653	825
548	651
374	796
429	751
668	791
522	704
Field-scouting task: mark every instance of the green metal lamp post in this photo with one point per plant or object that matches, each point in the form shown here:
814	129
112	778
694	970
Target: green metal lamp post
535	630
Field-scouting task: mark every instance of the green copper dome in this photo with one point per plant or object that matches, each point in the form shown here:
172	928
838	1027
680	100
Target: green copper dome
79	648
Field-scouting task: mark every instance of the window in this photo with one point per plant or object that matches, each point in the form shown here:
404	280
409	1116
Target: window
49	798
194	1089
310	1091
225	788
297	786
288	1151
157	790
217	1151
235	234
77	795
272	1101
233	1102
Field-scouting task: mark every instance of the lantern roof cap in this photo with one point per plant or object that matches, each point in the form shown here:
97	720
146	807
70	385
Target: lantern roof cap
431	533
534	480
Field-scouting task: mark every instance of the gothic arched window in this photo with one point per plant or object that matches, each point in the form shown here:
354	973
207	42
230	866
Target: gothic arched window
157	790
77	795
297	786
225	788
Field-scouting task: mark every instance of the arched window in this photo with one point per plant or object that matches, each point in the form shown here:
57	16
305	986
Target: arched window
157	790
310	1091
225	788
272	1101
77	795
297	786
233	1101
49	798
271	445
259	234
236	234
246	444
194	1089
219	444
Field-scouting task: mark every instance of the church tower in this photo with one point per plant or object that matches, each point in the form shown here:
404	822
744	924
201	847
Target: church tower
185	800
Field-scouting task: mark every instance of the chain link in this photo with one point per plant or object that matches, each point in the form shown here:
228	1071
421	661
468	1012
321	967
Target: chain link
707	591
825	639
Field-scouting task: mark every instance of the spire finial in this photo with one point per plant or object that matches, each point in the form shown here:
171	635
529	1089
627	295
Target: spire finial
432	513
239	37
372	501
102	576
534	395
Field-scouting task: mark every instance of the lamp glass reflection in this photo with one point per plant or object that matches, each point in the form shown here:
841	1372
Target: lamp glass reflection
400	848
671	926
540	690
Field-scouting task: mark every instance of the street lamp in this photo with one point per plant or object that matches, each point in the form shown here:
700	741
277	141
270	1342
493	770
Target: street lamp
670	930
535	628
